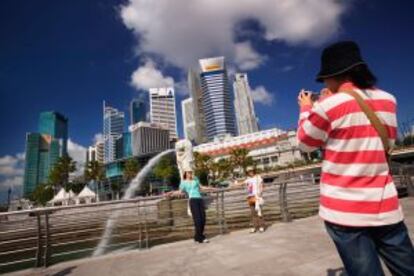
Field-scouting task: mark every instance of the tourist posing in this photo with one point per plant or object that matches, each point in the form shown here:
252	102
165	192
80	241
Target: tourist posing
254	186
190	185
355	124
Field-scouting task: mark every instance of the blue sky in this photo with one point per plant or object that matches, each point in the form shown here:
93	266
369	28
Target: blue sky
69	56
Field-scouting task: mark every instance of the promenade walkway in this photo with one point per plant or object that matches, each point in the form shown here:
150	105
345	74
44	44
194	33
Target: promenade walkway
301	247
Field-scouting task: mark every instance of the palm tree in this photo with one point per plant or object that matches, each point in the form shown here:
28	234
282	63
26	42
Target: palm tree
59	175
95	171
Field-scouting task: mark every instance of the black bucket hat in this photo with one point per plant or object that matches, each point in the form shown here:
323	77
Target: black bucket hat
339	58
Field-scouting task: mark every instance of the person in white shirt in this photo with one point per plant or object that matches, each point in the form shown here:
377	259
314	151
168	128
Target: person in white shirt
254	186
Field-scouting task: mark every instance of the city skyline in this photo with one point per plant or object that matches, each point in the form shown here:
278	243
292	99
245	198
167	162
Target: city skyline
71	57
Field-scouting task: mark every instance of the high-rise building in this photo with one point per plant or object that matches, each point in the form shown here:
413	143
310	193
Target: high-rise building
162	109
55	125
113	129
138	111
43	149
149	138
196	95
95	152
189	125
217	100
243	105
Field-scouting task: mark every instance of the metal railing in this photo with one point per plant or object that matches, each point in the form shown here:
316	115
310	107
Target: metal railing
42	237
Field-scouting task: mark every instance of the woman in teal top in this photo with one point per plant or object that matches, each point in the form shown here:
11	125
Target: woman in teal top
191	186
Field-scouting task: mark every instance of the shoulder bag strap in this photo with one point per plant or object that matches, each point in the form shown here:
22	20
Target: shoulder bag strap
373	118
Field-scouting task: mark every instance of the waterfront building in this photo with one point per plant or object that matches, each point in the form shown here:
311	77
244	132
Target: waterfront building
218	108
149	138
162	109
243	105
113	129
269	148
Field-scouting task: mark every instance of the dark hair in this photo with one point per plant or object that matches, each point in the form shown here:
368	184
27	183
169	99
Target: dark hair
185	175
360	76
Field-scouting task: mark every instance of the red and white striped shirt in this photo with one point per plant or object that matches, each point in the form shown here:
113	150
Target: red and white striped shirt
356	187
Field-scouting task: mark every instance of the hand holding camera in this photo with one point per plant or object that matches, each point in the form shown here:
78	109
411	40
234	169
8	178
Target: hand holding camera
309	98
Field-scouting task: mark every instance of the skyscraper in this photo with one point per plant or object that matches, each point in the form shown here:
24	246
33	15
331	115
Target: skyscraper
138	111
162	109
196	95
43	149
217	100
243	104
113	129
55	125
189	125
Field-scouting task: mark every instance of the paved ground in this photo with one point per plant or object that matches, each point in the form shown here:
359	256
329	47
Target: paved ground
298	248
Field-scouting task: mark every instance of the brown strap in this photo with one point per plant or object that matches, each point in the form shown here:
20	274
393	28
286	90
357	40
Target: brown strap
373	118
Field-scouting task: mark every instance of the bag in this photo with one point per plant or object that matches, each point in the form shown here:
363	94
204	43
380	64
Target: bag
251	200
375	122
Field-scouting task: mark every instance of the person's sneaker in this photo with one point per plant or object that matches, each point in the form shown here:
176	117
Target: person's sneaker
205	241
252	230
261	230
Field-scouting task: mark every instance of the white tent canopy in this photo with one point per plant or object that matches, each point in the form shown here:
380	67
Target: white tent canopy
63	197
86	192
86	195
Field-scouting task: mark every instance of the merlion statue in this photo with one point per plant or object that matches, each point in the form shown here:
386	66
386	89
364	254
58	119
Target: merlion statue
185	158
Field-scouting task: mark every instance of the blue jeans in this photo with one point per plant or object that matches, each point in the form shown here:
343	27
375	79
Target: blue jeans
359	248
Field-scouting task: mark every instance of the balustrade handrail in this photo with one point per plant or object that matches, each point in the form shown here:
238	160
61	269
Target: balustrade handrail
52	230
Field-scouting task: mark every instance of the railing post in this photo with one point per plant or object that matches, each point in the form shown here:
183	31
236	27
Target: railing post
39	241
218	217
139	226
223	228
410	186
145	227
47	241
283	203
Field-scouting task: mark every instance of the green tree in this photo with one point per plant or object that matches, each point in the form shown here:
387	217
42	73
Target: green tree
42	194
59	175
240	160
131	169
202	167
167	170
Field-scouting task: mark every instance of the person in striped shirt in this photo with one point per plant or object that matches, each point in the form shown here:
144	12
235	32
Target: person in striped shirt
358	199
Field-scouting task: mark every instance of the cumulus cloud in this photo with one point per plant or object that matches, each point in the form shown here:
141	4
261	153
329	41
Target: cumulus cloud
12	165
78	154
246	58
11	175
148	76
183	31
261	95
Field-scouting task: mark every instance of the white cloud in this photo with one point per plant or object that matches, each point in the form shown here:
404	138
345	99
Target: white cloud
262	96
183	31
246	58
78	154
11	175
148	76
12	165
98	137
